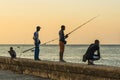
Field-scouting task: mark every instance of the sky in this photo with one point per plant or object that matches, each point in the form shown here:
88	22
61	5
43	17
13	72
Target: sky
19	18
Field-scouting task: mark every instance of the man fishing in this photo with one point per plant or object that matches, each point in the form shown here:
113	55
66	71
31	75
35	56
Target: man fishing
62	43
90	53
37	43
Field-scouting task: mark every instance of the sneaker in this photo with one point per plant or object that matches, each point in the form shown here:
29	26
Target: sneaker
62	61
38	59
90	62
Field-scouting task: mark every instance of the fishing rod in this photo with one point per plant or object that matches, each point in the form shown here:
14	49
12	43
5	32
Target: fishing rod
83	24
68	33
41	44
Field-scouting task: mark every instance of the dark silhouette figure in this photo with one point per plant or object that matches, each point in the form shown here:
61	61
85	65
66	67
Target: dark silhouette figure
62	42
90	53
37	43
12	53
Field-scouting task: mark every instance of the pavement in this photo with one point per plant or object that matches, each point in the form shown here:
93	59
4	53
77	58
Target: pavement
8	75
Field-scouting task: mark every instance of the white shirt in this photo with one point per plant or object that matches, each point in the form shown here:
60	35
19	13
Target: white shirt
36	37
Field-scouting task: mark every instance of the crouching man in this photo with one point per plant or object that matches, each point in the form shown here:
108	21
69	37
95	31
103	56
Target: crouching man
90	53
12	53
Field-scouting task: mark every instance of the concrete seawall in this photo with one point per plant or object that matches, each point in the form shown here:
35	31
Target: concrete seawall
59	70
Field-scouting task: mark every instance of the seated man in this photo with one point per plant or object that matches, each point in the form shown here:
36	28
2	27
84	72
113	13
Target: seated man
12	53
90	53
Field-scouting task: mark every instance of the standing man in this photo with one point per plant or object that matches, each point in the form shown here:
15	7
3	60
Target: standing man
62	42
37	43
90	53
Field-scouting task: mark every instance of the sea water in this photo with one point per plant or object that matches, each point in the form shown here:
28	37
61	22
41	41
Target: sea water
110	54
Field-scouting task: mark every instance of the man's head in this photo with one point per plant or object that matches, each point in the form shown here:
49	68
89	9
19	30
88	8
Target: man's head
97	41
11	48
63	27
38	28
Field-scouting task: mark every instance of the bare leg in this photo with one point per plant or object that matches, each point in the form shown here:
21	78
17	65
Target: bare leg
61	44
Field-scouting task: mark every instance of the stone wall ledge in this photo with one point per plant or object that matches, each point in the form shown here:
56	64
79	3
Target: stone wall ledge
59	70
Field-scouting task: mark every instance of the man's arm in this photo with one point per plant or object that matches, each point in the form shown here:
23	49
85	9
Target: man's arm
66	36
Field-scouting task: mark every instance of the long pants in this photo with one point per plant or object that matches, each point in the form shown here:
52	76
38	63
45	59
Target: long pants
36	55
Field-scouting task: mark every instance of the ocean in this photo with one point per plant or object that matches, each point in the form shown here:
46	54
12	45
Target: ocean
110	54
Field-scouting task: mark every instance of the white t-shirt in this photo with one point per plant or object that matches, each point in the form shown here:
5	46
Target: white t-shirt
36	37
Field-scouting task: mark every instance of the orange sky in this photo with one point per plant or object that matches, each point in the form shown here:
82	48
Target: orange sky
19	18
